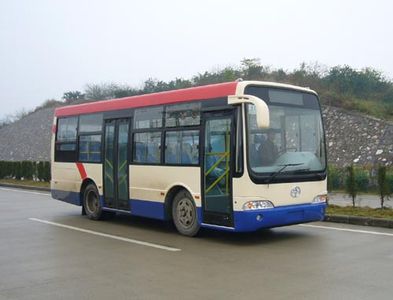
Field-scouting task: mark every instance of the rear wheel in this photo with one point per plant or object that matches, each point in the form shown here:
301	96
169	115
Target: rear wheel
184	214
91	203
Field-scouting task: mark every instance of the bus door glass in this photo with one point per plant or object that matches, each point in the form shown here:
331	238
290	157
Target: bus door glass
116	164
217	173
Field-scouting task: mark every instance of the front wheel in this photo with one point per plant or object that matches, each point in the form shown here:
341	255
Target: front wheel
184	214
91	203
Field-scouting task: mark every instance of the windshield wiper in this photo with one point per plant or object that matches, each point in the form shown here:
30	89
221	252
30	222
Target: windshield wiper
283	167
301	170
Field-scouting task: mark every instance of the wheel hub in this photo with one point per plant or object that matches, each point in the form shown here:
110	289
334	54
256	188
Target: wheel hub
185	212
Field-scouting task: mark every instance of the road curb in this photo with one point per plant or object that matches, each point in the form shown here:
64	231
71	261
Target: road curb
25	187
364	221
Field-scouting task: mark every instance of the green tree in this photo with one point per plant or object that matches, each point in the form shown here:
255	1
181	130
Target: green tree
356	180
383	185
252	69
72	96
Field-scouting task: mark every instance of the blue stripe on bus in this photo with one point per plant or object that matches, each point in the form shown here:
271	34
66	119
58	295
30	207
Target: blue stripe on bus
278	216
143	208
149	209
244	220
66	196
71	197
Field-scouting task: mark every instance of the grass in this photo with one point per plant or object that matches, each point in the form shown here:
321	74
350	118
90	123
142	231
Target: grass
386	213
26	182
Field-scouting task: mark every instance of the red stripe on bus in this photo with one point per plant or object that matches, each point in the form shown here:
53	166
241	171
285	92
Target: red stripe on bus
54	128
82	171
183	95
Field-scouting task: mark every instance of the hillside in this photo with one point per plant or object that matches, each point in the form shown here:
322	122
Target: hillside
28	138
351	138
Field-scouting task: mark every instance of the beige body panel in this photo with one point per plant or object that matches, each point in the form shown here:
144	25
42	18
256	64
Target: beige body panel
66	176
153	182
279	193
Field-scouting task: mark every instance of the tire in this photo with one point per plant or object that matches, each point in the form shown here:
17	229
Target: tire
184	214
91	203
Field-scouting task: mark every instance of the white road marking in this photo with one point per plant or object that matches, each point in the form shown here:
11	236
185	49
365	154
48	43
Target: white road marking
23	191
347	229
115	237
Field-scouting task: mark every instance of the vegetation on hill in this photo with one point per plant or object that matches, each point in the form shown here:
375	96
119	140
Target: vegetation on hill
366	90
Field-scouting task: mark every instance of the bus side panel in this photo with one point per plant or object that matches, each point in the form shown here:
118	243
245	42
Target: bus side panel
67	180
150	184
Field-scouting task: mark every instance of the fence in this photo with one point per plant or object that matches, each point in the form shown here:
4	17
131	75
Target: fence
365	178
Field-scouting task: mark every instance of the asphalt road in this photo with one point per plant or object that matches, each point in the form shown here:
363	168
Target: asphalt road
49	251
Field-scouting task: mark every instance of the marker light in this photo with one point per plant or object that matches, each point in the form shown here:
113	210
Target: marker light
261	204
320	199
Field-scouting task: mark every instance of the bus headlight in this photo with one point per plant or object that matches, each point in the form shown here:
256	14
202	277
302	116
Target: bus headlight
320	199
260	204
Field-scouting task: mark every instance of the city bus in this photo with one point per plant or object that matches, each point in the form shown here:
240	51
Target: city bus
236	156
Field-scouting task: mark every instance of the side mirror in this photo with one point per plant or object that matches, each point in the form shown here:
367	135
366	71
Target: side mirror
261	108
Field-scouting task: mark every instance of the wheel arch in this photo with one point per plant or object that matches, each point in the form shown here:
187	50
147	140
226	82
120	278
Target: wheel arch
84	184
170	195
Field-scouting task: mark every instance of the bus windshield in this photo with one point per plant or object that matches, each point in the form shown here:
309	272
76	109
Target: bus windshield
294	142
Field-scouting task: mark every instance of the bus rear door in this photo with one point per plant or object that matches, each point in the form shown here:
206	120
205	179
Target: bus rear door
116	179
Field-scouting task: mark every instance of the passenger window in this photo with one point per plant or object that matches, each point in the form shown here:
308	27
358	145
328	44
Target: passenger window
149	117
90	148
66	129
188	114
182	147
147	147
65	148
90	123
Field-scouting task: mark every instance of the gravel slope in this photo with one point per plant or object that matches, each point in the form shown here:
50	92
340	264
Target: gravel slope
351	138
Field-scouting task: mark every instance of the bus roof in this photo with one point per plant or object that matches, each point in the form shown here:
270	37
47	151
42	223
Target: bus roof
175	96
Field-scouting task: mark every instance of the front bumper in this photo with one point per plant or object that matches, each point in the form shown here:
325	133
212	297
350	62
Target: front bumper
278	216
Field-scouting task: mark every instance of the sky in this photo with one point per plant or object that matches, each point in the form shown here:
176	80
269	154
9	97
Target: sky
48	47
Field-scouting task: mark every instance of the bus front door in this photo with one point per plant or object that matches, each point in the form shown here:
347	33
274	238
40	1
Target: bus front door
216	172
116	183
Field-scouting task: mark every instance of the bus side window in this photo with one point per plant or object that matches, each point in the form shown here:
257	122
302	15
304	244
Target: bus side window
66	139
182	147
147	147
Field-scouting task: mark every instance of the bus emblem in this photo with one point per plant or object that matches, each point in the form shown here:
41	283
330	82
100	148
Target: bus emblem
295	192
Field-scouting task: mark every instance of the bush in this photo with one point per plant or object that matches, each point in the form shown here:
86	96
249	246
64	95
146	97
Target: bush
27	170
17	170
2	169
333	180
46	173
40	171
